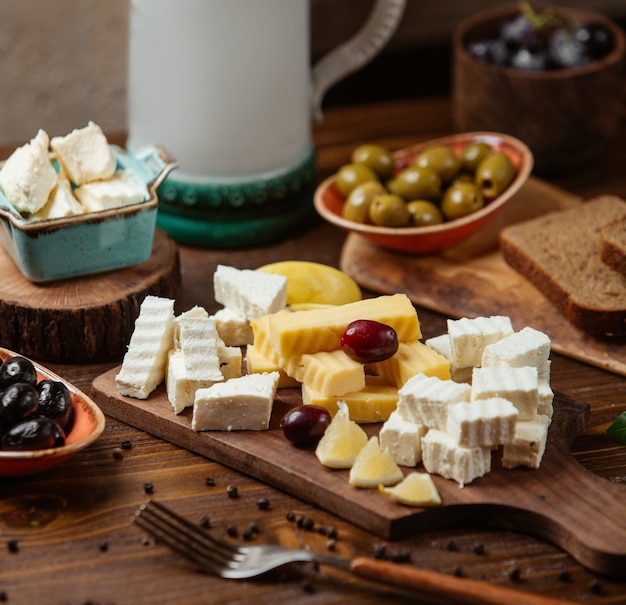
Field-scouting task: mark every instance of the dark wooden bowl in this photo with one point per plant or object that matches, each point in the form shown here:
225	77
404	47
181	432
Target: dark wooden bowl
565	116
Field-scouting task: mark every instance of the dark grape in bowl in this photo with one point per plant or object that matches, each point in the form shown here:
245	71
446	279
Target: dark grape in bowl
564	100
42	439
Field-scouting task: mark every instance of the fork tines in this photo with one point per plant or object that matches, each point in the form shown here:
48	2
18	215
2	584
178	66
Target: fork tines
191	541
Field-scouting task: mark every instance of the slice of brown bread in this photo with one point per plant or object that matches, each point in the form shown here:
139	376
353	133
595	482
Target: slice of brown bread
613	245
559	253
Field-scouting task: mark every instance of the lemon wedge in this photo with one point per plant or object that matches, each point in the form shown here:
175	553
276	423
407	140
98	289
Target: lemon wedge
342	440
416	489
315	283
374	467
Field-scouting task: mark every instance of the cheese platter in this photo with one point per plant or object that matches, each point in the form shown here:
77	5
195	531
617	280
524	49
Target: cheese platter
554	502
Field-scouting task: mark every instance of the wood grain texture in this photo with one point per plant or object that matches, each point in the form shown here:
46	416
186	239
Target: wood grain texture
474	280
538	502
84	319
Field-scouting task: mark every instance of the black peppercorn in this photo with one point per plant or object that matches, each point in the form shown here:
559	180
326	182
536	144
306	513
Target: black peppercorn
148	488
126	444
231	530
205	521
13	546
263	504
596	587
479	548
232	491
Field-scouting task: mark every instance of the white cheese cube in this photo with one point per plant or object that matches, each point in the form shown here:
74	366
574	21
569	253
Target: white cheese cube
425	399
243	404
250	293
442	345
468	337
85	154
233	327
403	439
199	344
546	397
197	312
180	390
519	385
61	202
528	347
120	190
144	364
28	177
482	423
442	455
528	445
231	360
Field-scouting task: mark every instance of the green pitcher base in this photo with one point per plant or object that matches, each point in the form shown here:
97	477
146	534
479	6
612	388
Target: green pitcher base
236	213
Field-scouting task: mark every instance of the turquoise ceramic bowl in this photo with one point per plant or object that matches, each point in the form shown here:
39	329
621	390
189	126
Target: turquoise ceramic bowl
60	248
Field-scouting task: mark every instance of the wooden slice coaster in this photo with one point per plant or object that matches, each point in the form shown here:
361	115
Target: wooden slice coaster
84	319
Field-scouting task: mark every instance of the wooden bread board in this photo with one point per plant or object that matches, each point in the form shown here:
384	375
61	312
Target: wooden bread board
474	280
558	502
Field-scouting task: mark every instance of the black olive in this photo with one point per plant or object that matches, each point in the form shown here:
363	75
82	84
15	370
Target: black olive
55	401
17	402
36	434
17	369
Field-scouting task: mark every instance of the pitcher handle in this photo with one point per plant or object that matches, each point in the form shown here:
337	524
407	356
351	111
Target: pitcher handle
357	51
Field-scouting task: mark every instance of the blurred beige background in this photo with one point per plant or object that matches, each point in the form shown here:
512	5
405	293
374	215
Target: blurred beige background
64	61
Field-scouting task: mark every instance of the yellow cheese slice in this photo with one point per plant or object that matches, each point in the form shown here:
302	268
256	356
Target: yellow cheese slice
321	329
414	358
256	363
374	403
332	373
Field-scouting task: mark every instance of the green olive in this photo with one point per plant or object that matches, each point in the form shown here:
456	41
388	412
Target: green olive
389	211
441	159
462	199
473	154
350	176
424	213
463	177
415	183
375	157
357	204
494	174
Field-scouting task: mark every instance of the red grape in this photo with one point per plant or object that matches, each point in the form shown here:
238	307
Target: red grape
368	341
304	425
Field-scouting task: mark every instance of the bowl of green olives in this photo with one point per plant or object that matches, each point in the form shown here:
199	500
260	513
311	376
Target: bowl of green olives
44	420
549	75
428	197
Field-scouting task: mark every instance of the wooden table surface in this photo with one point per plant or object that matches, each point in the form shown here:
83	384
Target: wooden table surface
76	544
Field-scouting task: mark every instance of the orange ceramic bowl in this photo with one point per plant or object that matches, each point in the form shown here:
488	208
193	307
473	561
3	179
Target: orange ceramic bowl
87	427
435	238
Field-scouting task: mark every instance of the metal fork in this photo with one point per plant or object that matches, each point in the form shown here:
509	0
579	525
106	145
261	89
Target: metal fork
240	561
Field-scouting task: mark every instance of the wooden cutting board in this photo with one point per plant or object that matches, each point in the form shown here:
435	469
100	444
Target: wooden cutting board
558	502
474	280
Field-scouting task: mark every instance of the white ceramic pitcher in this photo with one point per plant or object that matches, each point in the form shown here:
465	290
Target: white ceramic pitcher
227	88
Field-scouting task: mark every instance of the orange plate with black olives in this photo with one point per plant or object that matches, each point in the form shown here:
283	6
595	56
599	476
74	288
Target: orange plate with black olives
465	195
29	445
